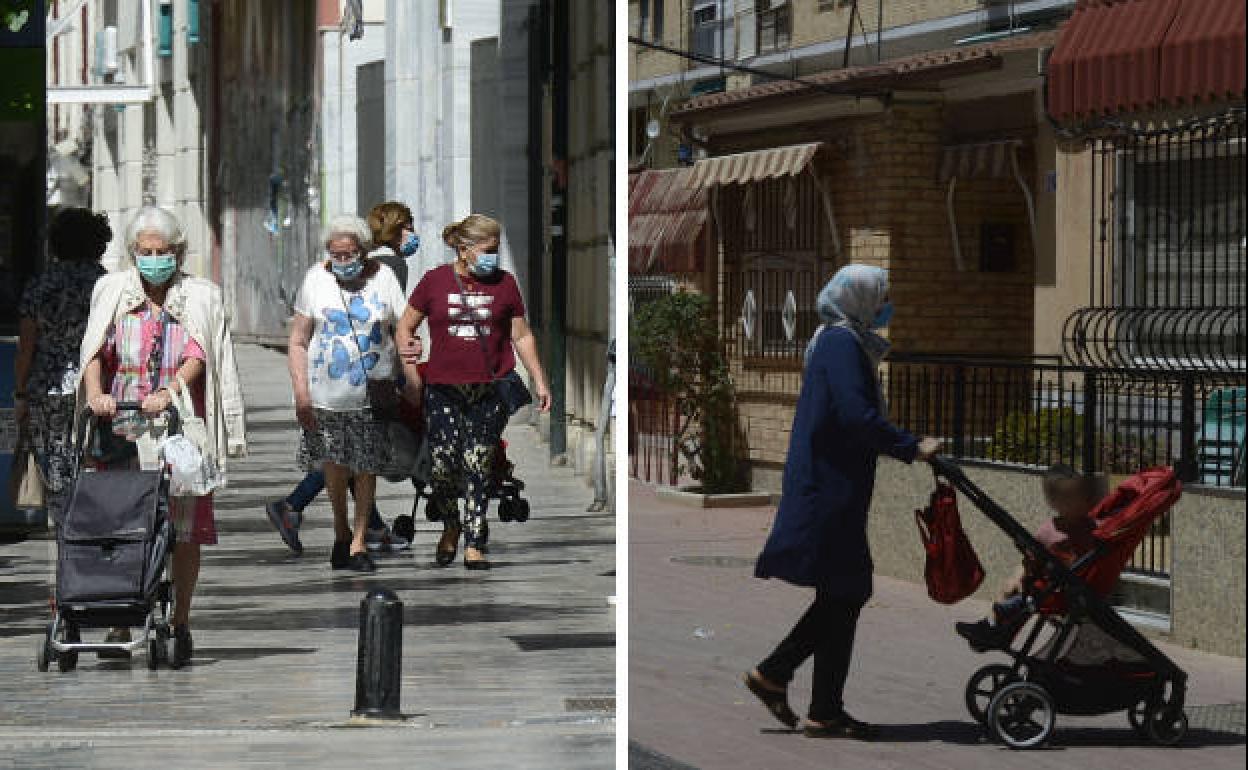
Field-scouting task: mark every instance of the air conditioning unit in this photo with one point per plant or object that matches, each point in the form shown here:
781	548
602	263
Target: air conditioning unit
106	61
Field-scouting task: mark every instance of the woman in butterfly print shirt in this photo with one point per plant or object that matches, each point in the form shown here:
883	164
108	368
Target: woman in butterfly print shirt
341	338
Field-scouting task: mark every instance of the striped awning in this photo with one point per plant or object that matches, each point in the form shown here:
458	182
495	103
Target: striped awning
747	167
666	222
979	160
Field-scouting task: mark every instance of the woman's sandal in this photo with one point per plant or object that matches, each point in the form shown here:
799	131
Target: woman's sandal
843	726
478	563
447	546
776	701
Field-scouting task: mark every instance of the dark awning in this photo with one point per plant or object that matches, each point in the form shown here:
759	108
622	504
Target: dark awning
666	222
1120	56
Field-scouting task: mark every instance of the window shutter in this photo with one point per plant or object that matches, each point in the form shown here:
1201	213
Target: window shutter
747	30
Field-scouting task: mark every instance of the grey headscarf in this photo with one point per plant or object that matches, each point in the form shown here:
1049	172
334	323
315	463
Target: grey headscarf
850	300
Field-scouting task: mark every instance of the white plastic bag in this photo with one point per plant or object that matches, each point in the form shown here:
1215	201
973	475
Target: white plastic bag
192	467
192	473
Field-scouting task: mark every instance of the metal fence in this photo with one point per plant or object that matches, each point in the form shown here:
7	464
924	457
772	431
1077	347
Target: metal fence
1039	412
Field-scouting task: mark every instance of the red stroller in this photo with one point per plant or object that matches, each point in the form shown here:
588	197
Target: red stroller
1093	662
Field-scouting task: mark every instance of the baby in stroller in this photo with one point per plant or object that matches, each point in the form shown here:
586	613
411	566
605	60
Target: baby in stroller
1067	535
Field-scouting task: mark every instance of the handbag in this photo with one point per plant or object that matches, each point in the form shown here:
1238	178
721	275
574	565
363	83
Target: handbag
511	389
952	569
27	485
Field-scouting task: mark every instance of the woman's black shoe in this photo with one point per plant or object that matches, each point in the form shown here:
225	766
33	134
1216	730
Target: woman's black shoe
340	557
447	546
843	726
776	701
183	647
361	562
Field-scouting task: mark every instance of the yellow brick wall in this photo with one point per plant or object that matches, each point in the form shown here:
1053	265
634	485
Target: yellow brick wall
882	173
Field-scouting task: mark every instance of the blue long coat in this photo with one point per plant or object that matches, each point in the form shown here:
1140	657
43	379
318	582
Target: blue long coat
819	536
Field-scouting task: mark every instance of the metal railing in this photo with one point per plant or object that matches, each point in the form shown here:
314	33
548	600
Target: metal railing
1038	412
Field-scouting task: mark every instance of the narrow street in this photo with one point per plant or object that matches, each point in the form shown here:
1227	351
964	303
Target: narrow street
699	619
514	667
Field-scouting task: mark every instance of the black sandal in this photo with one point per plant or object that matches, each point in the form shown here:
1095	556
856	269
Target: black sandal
843	726
776	701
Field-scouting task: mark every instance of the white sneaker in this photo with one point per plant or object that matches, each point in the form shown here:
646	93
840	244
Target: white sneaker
384	540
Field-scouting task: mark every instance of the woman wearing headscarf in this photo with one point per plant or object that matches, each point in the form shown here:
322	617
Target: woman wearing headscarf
819	536
153	330
53	311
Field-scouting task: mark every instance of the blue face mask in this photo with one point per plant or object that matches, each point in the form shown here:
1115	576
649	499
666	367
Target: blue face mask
883	316
347	271
157	269
410	244
487	264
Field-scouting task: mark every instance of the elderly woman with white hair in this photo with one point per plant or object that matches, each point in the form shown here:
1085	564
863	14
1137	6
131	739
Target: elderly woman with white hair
152	331
344	368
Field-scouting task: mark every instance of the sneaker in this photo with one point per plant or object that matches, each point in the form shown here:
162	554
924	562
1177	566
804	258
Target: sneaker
116	636
984	636
183	647
286	521
385	540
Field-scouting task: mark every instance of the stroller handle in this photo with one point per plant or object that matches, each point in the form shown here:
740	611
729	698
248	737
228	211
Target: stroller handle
88	420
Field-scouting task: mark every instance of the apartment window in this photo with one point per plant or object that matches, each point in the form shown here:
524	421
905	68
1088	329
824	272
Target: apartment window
775	24
643	18
656	22
706	31
637	139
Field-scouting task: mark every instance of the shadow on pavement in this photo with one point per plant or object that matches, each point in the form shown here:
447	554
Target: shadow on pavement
973	734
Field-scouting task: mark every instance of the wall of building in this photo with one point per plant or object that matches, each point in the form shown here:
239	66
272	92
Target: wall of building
341	116
883	176
1207	531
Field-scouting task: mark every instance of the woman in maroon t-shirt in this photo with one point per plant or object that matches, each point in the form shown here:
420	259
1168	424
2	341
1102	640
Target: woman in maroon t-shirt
476	329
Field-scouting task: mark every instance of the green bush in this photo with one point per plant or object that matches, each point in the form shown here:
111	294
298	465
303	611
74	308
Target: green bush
1030	438
677	339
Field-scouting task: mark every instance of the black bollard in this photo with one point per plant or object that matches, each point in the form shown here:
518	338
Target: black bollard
378	672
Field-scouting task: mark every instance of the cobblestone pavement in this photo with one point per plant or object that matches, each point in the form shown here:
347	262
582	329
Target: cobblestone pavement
698	619
513	667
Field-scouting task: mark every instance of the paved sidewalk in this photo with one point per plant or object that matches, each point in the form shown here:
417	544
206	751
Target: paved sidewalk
698	619
514	667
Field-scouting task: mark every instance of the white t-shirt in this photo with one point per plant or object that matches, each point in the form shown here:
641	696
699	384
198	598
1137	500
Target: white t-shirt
353	340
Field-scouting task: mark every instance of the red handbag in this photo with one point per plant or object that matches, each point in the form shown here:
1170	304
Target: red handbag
952	571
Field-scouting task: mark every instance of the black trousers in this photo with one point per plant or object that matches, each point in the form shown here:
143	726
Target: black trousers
825	631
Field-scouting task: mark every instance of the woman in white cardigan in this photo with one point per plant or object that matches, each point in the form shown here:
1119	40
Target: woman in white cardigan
152	330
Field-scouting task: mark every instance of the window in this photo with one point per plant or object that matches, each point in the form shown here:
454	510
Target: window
637	140
775	22
706	31
643	14
656	22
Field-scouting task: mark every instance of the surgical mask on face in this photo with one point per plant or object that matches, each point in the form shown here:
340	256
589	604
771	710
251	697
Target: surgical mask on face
486	265
347	271
156	269
883	316
409	245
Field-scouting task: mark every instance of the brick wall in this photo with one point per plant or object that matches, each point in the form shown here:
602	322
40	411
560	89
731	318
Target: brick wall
882	173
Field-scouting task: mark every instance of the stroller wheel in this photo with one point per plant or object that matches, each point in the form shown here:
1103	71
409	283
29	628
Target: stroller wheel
43	656
984	684
506	509
1021	715
1165	727
67	661
404	527
522	510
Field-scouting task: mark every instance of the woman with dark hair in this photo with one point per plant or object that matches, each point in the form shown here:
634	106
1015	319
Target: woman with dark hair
53	311
394	237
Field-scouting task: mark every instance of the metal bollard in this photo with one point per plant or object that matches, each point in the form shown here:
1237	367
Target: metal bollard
378	672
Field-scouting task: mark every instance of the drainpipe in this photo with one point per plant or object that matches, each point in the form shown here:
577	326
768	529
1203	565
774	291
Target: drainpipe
558	233
538	67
